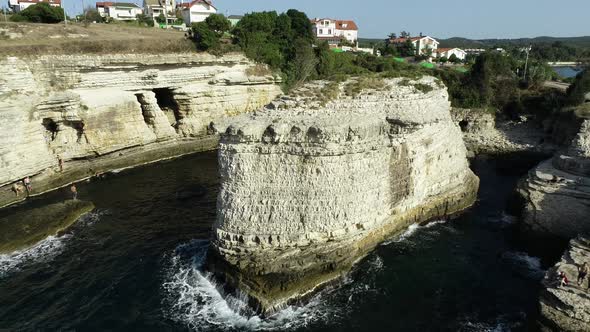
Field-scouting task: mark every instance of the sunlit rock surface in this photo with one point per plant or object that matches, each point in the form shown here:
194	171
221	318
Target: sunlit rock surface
309	187
99	112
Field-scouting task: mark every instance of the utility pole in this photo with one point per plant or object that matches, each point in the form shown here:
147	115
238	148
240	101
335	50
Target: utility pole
526	62
63	5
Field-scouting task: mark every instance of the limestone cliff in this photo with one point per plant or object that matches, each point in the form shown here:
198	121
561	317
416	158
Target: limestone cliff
567	308
556	193
309	187
113	111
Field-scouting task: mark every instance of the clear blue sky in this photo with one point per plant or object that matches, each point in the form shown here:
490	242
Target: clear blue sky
441	18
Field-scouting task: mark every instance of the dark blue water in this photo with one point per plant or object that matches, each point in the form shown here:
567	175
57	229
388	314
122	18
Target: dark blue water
134	265
567	72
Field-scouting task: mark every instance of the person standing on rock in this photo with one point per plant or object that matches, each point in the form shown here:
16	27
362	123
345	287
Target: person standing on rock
16	188
582	272
563	281
74	191
60	162
27	183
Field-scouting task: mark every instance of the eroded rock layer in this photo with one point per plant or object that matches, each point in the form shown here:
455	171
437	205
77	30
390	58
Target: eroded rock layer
309	188
557	192
119	110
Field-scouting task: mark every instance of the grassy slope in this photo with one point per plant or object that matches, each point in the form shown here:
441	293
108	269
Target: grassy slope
22	39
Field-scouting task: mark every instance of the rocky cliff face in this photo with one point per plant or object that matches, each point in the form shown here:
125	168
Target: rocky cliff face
567	308
309	187
112	111
483	134
557	192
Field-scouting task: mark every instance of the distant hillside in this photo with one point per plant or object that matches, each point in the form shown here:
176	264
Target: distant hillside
482	43
460	42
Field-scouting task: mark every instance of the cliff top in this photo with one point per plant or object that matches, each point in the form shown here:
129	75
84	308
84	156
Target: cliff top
334	108
28	39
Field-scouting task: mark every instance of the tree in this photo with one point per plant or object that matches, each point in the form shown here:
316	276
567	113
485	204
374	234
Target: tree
454	59
576	93
301	25
40	13
161	19
443	60
92	15
203	36
303	64
218	23
392	36
145	20
404	34
406	48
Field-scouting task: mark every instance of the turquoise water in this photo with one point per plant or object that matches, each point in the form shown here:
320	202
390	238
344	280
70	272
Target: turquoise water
134	264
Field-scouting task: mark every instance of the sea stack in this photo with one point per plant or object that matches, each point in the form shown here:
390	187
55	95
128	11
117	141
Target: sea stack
313	182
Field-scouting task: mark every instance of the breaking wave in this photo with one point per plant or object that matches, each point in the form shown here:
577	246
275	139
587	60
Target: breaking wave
523	264
413	229
45	250
195	299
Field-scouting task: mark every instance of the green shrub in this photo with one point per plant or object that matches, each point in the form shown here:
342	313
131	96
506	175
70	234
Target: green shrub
39	13
203	36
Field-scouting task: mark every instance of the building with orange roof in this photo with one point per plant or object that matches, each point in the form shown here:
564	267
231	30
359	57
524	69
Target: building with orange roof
335	31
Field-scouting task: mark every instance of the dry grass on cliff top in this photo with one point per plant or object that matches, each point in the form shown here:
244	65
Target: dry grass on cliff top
28	39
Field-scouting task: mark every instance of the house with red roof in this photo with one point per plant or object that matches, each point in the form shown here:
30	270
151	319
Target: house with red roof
196	11
422	44
19	5
335	31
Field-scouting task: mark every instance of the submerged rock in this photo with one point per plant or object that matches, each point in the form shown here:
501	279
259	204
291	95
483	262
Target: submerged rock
567	308
24	229
308	188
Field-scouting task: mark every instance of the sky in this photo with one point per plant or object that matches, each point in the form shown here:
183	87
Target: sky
475	19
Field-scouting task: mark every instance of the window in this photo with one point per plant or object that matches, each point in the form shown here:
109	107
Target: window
326	23
329	31
344	25
321	31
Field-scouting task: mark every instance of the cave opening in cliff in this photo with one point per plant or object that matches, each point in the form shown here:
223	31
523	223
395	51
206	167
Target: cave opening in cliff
463	124
51	128
144	109
167	103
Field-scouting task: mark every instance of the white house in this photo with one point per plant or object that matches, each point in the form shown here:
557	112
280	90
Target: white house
448	52
333	31
197	11
120	11
19	5
154	8
422	44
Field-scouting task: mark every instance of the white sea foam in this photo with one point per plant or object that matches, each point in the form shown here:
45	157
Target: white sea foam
43	251
525	265
196	300
413	229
